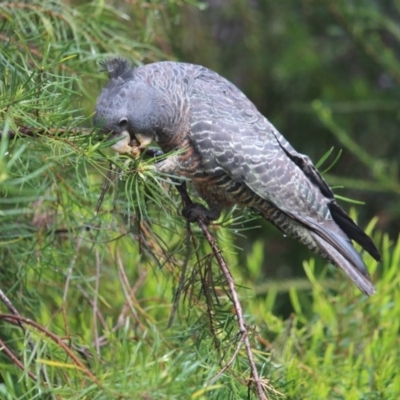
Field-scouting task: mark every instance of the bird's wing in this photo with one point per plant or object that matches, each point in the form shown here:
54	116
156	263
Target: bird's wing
234	138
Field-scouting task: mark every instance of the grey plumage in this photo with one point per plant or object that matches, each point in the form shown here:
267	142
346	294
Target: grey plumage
232	154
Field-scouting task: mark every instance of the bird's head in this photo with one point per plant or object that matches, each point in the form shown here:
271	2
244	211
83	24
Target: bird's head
129	108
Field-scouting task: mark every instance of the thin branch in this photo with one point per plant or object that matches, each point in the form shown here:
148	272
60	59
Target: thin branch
230	361
14	359
33	131
14	311
238	308
18	319
104	340
236	303
68	280
126	288
104	189
208	296
9	304
182	277
95	301
133	290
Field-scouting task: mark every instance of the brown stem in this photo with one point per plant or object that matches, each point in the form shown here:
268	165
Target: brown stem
230	361
32	131
238	308
31	343
14	359
234	296
78	363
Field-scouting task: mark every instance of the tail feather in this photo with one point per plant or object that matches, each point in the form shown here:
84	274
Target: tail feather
335	245
353	231
325	238
348	260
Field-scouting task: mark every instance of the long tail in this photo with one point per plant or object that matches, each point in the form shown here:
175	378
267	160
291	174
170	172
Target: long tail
343	254
326	239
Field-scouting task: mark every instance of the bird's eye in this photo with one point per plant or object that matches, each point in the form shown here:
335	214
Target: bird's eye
122	122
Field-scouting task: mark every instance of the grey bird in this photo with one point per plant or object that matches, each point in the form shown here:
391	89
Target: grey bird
231	154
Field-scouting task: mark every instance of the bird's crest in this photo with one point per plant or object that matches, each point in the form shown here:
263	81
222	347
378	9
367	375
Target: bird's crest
116	67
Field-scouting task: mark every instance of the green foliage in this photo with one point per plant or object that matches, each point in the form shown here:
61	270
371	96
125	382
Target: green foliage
98	281
336	344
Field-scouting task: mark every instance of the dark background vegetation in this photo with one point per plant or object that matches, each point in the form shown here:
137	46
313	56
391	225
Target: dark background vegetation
325	73
286	56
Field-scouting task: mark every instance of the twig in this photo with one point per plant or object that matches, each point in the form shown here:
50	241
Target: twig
68	280
182	277
205	286
98	342
126	307
91	304
14	311
32	131
95	301
104	189
15	360
125	288
18	319
229	363
236	303
39	90
10	354
9	304
238	308
103	340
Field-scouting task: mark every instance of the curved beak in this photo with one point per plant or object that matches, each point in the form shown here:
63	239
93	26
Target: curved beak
144	140
128	145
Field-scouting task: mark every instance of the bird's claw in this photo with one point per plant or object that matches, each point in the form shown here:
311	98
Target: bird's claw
195	212
154	152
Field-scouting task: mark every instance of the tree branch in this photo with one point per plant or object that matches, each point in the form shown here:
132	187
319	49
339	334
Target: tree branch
235	299
33	131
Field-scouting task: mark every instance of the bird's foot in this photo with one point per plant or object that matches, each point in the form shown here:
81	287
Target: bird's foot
195	212
153	152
